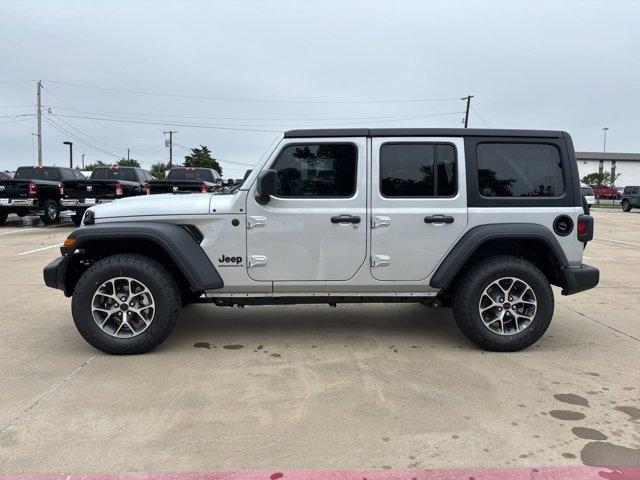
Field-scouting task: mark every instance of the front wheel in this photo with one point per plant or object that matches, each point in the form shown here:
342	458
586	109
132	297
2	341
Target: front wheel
51	212
626	206
126	304
3	217
503	303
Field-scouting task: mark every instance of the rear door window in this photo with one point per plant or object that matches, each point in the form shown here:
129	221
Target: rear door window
418	170
519	170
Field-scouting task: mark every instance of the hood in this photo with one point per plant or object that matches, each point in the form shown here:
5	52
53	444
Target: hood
143	205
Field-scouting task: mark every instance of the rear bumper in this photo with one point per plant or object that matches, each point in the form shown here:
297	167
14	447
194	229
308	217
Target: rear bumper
579	279
80	202
20	202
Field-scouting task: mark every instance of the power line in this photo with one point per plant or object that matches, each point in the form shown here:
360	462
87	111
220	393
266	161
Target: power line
244	127
251	100
214	127
481	119
15	121
17	81
87	135
106	127
257	119
89	144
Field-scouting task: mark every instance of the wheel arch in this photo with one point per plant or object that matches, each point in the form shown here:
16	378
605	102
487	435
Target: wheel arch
532	242
177	247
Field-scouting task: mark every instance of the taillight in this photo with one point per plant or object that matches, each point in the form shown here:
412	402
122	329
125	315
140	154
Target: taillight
582	227
147	187
33	189
118	188
203	188
61	187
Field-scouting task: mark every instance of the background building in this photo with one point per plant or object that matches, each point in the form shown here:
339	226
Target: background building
626	164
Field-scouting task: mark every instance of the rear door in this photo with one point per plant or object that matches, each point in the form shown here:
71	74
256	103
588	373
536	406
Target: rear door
418	204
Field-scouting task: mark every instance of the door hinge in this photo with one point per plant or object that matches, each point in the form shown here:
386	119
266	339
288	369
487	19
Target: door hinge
380	260
253	222
257	261
377	222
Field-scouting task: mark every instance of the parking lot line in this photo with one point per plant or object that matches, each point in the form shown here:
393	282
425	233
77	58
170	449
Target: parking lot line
617	241
39	249
12	231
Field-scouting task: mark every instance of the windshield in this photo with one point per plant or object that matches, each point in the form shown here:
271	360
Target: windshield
126	174
197	175
586	191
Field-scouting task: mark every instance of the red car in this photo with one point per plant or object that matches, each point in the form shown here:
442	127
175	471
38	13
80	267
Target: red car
606	192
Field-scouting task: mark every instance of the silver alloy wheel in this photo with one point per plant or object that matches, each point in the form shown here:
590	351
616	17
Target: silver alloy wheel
123	307
52	211
507	306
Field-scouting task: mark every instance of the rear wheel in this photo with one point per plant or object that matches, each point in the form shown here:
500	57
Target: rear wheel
626	206
503	303
3	217
51	212
126	304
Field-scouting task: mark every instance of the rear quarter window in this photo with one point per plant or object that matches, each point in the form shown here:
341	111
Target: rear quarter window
524	170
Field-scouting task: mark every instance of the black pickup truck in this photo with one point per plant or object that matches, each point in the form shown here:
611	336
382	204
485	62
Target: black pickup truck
188	180
35	191
105	185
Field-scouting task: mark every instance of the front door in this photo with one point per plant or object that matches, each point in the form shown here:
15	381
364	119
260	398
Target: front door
419	204
315	227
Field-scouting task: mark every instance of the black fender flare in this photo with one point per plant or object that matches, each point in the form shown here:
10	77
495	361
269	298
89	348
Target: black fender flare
176	240
475	237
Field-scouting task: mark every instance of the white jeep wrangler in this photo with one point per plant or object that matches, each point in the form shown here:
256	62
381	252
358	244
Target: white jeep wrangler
484	221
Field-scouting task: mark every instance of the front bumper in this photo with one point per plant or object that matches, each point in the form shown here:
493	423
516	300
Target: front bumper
579	279
81	202
55	273
20	202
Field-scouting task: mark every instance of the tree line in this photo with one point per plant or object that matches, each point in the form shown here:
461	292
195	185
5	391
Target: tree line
199	157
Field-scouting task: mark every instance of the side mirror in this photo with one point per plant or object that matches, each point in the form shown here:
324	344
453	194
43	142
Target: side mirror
267	186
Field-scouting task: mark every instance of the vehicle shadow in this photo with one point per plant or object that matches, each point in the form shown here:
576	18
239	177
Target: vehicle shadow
399	323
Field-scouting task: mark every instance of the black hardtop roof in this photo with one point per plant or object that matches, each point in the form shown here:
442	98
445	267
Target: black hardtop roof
421	132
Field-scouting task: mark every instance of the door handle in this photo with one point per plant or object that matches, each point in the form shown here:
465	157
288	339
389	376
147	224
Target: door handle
439	219
345	219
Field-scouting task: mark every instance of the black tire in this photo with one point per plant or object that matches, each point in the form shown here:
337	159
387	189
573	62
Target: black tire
154	276
76	218
469	290
3	217
51	212
189	298
626	206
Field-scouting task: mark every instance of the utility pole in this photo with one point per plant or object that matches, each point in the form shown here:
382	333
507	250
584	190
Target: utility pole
170	132
604	147
128	154
39	115
466	115
83	161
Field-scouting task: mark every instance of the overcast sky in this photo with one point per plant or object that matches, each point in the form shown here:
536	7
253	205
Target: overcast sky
570	65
